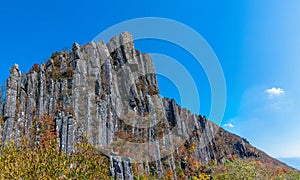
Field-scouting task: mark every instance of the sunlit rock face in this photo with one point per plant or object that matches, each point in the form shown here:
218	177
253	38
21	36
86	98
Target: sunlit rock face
107	94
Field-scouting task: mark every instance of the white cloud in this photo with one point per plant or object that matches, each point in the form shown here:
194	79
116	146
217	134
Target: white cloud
229	125
275	91
269	119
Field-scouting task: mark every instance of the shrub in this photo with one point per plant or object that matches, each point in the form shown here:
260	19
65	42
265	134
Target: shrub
56	60
56	74
48	163
34	68
68	72
153	90
57	63
47	130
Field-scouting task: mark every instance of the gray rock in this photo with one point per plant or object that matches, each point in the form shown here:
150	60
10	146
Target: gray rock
98	91
12	102
116	167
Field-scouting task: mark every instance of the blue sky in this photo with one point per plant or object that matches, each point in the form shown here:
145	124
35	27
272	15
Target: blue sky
257	43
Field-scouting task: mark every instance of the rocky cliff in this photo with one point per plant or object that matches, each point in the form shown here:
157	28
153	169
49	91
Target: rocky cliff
108	95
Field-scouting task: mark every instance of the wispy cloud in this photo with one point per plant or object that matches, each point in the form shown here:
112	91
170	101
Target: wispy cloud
274	91
229	125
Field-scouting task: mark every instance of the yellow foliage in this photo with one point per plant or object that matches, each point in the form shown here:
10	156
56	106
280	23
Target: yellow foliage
48	163
196	164
1	120
193	147
201	177
204	176
170	174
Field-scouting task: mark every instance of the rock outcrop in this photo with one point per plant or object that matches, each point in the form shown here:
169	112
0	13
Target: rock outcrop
108	94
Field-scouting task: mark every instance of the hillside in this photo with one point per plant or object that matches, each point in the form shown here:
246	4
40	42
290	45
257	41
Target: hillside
107	95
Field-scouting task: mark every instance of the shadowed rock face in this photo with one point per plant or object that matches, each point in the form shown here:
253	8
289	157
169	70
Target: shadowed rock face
108	94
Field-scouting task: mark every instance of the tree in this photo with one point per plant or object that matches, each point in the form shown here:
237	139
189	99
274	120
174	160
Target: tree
47	130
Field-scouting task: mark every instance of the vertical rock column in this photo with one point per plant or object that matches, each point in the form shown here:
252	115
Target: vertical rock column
79	88
31	85
102	105
10	108
41	88
93	80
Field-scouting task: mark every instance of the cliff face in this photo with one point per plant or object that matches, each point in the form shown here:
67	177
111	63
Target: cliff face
108	95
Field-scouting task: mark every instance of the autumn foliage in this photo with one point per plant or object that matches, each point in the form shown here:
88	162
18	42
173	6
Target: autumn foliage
44	161
48	163
47	130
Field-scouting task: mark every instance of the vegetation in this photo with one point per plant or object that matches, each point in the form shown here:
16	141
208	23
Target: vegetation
153	90
1	120
48	163
68	73
60	58
56	74
34	68
246	169
237	170
43	160
47	131
56	60
233	169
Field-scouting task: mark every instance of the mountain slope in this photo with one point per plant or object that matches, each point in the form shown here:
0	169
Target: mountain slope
108	95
